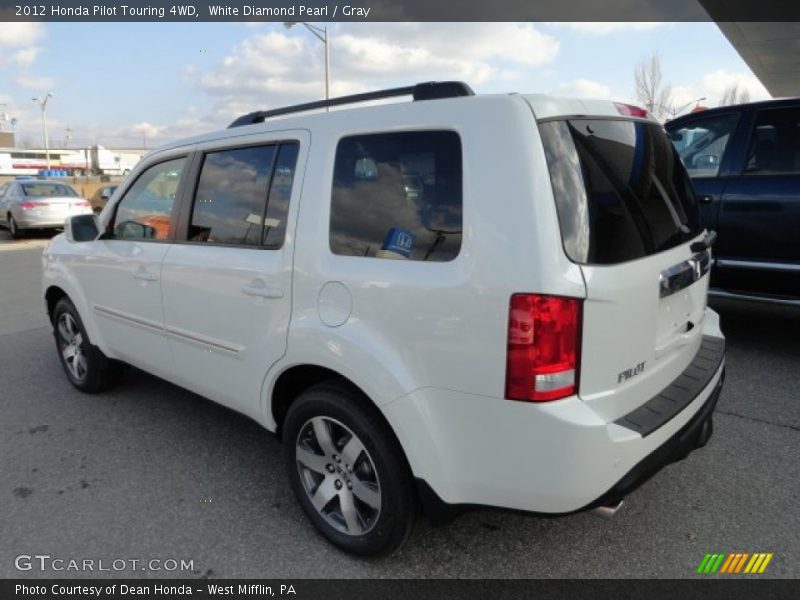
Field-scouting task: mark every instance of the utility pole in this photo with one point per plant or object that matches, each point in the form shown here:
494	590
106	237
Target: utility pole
43	105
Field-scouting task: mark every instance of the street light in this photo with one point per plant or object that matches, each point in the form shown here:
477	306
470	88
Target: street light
321	33
43	105
674	112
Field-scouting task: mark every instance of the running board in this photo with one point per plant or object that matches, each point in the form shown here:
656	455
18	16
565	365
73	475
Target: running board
607	512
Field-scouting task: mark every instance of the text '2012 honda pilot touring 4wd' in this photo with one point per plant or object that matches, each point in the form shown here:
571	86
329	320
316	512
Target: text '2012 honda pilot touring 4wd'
460	300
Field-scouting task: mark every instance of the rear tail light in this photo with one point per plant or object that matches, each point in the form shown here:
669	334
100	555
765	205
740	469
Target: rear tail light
31	205
82	203
543	347
629	110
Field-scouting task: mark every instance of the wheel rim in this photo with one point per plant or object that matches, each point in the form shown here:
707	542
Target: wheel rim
338	475
71	344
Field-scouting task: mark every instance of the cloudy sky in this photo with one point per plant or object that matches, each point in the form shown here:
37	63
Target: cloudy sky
119	83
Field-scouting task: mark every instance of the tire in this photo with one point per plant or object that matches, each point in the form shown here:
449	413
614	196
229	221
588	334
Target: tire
371	506
85	365
13	229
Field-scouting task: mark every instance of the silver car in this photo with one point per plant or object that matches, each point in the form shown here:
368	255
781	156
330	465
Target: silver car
35	204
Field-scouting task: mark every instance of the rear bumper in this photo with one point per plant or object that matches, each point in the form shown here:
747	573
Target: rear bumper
695	434
551	458
41	222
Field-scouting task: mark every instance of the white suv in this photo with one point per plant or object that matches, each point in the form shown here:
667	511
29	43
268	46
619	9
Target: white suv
461	300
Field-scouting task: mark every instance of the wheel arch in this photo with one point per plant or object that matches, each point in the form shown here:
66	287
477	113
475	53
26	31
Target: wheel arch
296	379
52	295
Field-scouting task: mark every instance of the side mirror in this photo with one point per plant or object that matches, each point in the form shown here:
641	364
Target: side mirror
82	228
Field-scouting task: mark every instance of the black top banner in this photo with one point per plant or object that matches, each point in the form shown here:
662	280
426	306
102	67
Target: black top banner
400	10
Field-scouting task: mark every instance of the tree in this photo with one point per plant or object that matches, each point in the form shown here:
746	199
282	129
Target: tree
733	94
651	91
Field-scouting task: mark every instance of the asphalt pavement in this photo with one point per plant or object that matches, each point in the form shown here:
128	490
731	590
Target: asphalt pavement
151	471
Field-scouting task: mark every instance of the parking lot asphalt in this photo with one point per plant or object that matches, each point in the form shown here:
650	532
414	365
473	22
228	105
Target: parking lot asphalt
149	470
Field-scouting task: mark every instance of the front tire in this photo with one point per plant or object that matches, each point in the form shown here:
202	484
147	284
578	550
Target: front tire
85	365
348	471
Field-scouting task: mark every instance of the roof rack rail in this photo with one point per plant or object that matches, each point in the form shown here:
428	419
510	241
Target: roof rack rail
431	90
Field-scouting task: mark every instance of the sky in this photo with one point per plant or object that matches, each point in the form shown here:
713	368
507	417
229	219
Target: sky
129	84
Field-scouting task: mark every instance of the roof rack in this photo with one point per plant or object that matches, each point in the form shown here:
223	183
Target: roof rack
431	90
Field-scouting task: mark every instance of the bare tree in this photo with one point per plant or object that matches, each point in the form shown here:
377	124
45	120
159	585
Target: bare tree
733	94
26	143
651	91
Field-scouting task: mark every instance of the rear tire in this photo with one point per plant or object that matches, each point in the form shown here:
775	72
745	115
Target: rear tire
85	365
348	471
13	228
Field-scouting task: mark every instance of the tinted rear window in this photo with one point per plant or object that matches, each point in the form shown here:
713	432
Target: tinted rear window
621	191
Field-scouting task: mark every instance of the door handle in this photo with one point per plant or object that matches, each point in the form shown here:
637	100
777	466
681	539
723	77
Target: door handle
145	275
261	289
705	199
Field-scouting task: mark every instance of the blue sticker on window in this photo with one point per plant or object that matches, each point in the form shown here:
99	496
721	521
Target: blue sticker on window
398	241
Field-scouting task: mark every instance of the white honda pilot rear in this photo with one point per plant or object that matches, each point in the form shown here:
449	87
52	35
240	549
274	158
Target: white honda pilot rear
457	301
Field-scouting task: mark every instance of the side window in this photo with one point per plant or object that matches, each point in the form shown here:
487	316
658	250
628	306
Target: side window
242	196
775	142
701	145
398	196
145	210
279	194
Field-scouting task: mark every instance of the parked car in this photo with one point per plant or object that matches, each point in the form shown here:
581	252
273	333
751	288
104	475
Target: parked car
531	332
101	196
35	204
744	162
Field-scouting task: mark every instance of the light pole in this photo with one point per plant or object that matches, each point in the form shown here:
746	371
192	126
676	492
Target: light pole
43	105
321	33
674	112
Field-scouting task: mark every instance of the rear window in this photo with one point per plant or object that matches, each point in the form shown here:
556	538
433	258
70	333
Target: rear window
47	189
621	191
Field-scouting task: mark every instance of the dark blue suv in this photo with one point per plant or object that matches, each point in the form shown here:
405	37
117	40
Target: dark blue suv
744	162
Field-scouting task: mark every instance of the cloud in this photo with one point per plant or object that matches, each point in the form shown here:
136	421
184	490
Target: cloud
713	85
20	34
275	68
26	56
585	88
39	84
603	28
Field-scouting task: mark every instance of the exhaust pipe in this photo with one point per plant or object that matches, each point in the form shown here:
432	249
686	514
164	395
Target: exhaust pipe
607	512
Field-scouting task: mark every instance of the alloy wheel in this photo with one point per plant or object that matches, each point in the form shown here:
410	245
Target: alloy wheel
338	475
71	344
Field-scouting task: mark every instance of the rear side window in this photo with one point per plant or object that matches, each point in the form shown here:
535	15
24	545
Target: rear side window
775	143
621	191
242	196
398	195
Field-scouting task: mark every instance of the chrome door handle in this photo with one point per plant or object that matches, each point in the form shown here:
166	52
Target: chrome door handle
259	288
145	275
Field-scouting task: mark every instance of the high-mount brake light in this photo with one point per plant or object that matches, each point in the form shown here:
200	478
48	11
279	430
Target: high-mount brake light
629	110
543	347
